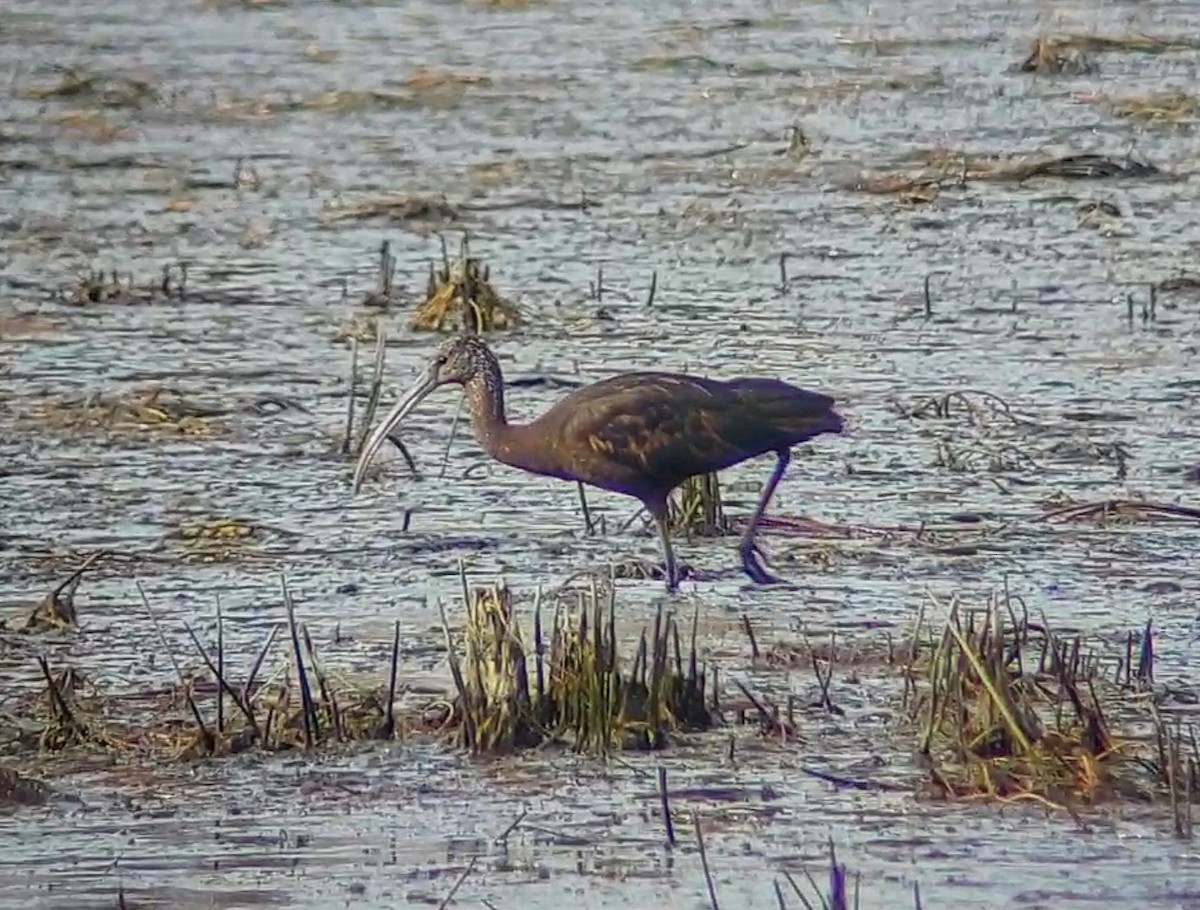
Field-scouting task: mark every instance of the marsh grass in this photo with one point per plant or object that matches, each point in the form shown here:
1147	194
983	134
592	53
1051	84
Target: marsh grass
697	508
569	683
1004	709
57	609
461	298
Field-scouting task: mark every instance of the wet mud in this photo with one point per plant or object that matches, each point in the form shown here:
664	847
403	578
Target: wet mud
985	248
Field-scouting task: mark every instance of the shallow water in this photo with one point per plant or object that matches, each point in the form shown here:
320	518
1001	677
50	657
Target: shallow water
670	120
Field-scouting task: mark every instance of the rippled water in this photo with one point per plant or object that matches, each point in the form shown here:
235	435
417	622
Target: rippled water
670	119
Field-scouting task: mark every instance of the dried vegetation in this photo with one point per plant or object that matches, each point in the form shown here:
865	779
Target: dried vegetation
940	169
1006	709
570	682
460	297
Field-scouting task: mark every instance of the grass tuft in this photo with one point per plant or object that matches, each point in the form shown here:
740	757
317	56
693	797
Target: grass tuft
1004	709
572	685
460	298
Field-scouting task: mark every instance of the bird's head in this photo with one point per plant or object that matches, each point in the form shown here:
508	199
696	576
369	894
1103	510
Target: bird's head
457	361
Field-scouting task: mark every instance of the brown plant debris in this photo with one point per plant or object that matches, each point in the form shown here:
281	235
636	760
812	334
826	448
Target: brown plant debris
951	169
100	89
460	298
398	208
574	686
1004	709
1056	56
57	609
1113	511
155	409
977	407
1159	107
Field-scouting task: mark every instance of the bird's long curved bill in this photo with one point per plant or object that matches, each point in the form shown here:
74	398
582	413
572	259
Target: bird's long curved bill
426	384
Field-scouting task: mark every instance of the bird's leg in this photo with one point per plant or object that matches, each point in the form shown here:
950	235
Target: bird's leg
748	549
671	570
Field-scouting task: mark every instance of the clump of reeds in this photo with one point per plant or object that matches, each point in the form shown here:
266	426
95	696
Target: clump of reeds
1005	709
57	609
112	287
697	508
353	440
301	705
571	685
1055	56
460	298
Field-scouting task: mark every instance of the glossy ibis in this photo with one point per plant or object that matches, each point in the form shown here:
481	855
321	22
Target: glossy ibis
641	434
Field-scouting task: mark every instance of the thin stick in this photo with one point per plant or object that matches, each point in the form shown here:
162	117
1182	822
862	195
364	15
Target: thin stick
347	441
376	384
307	709
453	430
389	724
462	878
219	672
187	690
257	665
222	684
583	504
712	890
666	806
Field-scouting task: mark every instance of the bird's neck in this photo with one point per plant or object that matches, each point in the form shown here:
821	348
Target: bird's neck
500	439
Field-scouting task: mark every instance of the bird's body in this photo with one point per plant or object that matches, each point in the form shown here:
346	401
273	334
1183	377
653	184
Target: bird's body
641	434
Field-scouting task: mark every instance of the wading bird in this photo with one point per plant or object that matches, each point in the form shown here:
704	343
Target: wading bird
642	434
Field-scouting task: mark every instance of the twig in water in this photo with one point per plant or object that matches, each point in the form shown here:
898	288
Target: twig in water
308	710
388	730
502	837
376	385
587	514
712	890
462	878
257	665
187	690
219	672
824	680
222	684
347	441
653	288
754	654
666	806
453	430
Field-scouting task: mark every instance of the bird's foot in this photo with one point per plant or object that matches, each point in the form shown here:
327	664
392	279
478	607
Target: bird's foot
752	558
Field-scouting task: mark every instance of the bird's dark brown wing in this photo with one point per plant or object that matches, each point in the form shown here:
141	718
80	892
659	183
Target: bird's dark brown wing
660	428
